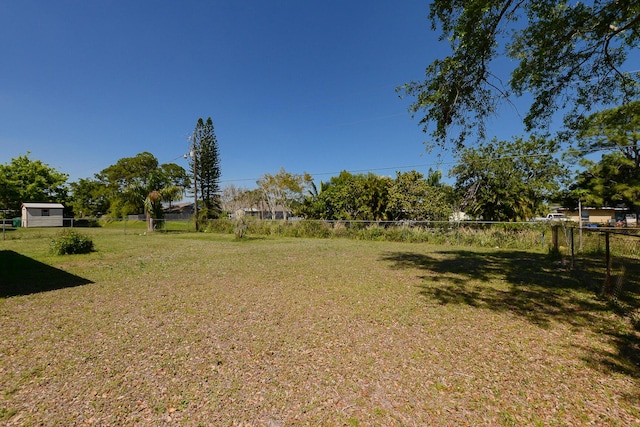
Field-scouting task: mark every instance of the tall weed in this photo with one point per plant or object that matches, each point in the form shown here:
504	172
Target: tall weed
508	236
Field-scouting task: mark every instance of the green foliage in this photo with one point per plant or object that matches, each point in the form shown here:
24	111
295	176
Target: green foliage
122	189
316	229
566	55
174	176
25	180
372	232
205	166
71	242
506	235
131	186
130	171
615	178
616	128
153	208
412	197
351	197
611	181
90	198
508	181
368	197
357	197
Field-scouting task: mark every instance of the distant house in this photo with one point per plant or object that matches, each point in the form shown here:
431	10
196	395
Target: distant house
42	215
179	211
600	215
262	211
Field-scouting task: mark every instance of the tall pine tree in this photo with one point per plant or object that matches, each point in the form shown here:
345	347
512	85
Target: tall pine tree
205	167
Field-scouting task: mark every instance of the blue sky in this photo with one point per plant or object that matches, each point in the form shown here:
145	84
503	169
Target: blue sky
308	86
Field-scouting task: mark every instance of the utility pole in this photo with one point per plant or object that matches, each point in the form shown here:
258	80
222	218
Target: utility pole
195	185
194	158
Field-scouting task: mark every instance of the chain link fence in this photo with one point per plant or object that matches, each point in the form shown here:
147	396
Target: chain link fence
605	260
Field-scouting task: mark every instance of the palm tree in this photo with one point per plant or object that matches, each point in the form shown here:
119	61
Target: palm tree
171	193
153	208
152	194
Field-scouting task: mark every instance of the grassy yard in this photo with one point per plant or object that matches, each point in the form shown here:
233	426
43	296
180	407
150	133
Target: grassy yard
199	329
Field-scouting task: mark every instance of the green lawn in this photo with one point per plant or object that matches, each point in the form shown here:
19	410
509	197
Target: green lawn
199	329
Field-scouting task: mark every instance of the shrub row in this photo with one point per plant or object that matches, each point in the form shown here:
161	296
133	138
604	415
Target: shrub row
504	235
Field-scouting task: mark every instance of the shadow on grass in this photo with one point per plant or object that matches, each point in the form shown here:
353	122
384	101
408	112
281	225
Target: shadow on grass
529	285
21	275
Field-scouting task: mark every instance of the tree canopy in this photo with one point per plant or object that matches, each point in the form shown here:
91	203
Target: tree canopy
369	197
349	197
25	180
282	190
615	178
124	187
90	198
129	171
508	181
412	197
565	56
615	129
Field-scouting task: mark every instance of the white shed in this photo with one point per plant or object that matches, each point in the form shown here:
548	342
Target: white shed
42	214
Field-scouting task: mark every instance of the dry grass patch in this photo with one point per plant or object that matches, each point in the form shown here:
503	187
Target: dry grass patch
202	330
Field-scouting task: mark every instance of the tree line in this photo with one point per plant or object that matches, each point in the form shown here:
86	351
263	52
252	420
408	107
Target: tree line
133	185
497	180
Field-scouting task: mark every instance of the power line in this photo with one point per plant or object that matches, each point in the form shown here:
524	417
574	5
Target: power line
353	171
423	165
414	166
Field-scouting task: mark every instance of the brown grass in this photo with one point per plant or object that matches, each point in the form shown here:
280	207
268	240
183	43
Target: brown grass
202	330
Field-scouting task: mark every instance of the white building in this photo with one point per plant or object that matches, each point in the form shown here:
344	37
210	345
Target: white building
42	214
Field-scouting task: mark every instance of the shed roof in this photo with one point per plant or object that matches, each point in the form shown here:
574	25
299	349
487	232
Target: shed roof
43	205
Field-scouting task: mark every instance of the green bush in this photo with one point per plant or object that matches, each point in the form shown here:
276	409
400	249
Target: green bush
372	232
71	242
220	225
340	230
240	227
317	229
259	227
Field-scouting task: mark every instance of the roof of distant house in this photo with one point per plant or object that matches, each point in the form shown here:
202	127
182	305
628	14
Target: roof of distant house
43	205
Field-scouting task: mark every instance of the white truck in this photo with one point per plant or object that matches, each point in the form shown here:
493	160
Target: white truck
553	217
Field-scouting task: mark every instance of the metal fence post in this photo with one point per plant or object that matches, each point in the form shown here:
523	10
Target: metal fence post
607	284
554	238
573	252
